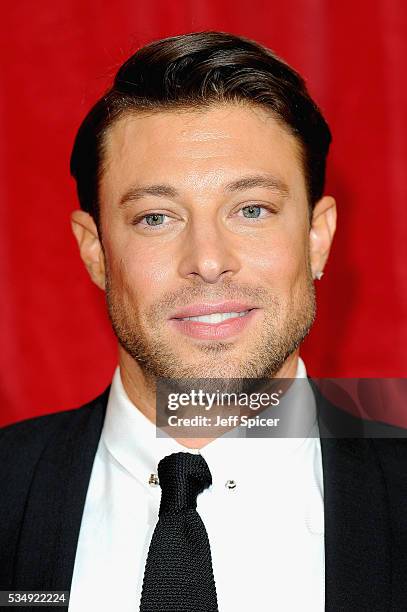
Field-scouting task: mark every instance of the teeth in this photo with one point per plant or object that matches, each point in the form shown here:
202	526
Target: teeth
216	317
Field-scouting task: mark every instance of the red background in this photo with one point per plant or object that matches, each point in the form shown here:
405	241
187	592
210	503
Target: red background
58	57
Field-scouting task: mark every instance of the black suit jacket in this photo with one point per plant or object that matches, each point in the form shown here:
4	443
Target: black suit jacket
45	467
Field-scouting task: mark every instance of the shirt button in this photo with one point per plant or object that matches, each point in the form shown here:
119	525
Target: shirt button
231	485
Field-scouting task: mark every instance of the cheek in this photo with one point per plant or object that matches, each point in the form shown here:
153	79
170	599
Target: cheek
140	272
280	258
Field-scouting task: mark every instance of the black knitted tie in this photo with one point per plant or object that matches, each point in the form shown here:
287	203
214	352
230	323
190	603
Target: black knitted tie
178	576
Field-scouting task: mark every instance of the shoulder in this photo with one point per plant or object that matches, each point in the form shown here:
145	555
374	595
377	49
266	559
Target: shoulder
391	452
30	436
45	465
336	422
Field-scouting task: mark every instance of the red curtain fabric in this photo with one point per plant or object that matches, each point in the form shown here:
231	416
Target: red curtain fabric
57	57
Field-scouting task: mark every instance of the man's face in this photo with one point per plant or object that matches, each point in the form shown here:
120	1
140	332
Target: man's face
206	212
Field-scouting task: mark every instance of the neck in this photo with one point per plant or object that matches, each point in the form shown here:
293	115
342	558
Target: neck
140	389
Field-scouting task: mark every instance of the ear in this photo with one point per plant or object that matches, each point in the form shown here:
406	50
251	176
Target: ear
323	226
87	237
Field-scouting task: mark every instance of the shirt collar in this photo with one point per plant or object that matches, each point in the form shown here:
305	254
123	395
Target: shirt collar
131	439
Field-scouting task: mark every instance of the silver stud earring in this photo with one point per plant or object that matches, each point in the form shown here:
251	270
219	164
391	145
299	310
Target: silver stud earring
319	275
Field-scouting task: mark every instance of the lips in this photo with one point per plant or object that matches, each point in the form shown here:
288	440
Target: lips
214	321
199	310
216	317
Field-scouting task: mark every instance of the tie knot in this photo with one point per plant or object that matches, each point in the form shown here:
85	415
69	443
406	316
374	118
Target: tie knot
182	477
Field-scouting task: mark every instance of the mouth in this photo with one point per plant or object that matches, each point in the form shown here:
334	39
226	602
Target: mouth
214	321
216	317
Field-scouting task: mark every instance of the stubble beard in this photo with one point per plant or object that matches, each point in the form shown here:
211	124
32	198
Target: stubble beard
146	340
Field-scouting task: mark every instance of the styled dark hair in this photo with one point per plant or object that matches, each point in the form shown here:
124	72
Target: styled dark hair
193	71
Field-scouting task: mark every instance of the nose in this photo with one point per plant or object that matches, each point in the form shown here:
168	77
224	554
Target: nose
208	253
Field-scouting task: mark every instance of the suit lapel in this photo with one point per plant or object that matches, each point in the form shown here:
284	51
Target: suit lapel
357	522
50	531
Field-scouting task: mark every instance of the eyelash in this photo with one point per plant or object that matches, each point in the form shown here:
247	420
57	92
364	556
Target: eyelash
138	219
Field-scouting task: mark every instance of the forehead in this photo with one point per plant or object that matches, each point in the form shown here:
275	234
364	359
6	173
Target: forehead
200	148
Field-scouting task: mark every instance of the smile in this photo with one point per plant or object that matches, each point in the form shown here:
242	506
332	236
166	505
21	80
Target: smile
216	317
215	325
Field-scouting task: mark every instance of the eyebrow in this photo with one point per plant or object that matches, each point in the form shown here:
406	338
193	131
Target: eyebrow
266	181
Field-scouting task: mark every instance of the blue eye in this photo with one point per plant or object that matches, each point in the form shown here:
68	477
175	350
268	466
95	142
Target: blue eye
154	219
252	212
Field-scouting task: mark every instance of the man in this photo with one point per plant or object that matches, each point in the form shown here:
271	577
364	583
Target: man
200	176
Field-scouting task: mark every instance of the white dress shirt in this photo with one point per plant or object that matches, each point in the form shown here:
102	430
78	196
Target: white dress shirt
266	535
